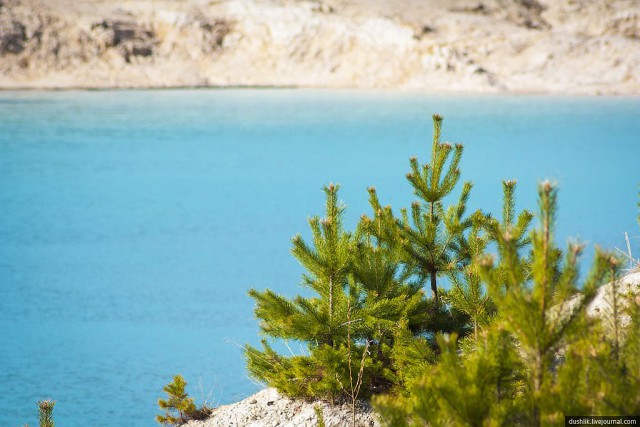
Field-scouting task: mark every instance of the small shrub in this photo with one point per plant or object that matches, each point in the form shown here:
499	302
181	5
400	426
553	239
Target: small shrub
179	407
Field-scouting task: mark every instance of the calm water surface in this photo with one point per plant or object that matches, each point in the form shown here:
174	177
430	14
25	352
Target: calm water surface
133	223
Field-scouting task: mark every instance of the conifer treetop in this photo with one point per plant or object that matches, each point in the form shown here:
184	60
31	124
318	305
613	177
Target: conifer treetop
427	180
433	238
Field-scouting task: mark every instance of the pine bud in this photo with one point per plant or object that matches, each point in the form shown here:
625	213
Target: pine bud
486	261
576	249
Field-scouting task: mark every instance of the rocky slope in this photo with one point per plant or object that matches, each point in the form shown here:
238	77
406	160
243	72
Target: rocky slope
267	408
552	46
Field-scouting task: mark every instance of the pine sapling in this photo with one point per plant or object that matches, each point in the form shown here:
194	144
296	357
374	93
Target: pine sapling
467	293
317	320
539	308
179	407
432	238
45	413
327	261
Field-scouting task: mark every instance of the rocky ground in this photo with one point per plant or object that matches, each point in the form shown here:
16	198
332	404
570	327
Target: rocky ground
548	46
267	408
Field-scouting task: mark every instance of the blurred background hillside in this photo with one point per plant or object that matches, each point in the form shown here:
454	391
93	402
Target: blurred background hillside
547	46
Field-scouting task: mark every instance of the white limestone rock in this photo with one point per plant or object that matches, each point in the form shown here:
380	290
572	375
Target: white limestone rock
268	408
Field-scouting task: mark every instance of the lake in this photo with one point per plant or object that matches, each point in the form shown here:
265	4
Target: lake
134	222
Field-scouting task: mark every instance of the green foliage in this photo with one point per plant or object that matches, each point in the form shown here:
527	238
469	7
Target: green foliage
318	411
365	300
603	365
45	413
320	319
411	355
179	407
508	344
432	238
475	389
322	373
539	309
361	296
467	293
541	358
430	242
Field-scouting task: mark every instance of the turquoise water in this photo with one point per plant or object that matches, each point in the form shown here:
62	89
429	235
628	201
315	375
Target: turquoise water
134	222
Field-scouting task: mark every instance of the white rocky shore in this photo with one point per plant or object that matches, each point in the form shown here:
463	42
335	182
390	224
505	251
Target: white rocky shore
547	46
268	408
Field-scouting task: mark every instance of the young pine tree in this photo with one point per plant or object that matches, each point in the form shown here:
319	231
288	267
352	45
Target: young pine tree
540	359
320	321
432	238
513	229
349	326
539	303
435	243
468	293
394	309
179	407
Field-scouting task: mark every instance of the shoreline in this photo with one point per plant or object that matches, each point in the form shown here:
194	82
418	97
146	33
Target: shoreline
394	91
432	47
